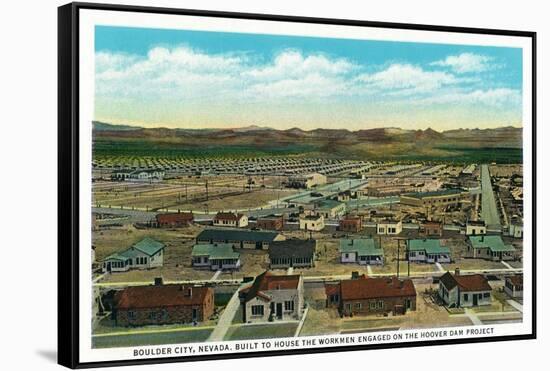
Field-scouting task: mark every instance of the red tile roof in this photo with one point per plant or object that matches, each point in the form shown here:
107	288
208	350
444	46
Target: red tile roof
141	297
371	288
268	281
470	282
516	280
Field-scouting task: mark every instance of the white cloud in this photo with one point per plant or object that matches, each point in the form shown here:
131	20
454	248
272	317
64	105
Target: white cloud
497	98
407	79
293	64
466	63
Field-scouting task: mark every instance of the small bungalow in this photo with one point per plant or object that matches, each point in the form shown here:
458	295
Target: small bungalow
490	248
162	304
215	256
273	298
230	220
147	253
362	251
376	296
459	291
428	251
292	253
513	286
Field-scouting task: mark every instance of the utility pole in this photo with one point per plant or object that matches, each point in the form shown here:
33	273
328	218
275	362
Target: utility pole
206	185
398	245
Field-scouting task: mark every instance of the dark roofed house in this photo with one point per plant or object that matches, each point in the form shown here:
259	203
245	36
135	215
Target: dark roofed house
175	219
513	286
240	239
292	253
459	291
366	296
273	297
162	304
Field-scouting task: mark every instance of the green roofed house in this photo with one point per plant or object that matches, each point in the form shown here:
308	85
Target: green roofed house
428	251
215	256
362	251
490	248
147	253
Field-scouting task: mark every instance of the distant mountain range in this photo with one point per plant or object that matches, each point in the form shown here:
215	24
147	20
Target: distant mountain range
378	143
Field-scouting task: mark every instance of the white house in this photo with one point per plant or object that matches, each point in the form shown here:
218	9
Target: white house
513	286
313	223
389	227
460	291
145	254
230	220
273	298
475	227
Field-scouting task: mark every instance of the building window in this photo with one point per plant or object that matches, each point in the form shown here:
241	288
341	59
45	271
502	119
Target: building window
257	310
372	305
358	305
380	304
466	297
289	306
131	315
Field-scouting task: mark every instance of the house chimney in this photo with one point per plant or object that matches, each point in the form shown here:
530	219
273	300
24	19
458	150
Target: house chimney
457	271
482	238
158	281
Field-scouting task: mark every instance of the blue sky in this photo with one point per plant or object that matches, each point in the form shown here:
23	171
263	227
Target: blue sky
177	78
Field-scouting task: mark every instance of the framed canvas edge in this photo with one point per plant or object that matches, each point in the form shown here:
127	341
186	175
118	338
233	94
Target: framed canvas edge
68	181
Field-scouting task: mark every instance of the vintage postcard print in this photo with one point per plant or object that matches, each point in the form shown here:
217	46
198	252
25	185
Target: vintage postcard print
270	186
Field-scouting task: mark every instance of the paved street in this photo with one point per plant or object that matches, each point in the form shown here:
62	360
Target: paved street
226	318
489	211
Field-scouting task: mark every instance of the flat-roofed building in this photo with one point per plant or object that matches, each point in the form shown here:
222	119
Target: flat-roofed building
513	286
271	222
476	227
314	222
437	198
306	181
330	209
389	227
431	229
351	224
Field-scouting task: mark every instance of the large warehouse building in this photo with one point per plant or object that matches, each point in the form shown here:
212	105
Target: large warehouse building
437	198
307	180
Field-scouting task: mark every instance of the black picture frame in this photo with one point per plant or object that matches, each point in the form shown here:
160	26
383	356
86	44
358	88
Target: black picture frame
68	180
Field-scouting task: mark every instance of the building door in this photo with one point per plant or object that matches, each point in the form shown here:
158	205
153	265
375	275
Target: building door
194	315
109	267
279	310
474	297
